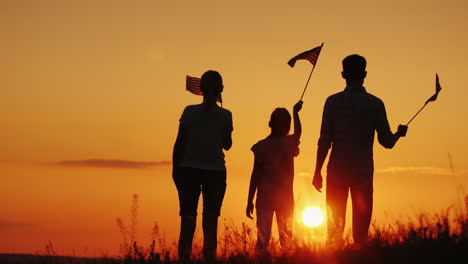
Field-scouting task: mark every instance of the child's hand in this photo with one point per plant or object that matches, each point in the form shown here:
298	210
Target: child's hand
297	107
249	210
402	130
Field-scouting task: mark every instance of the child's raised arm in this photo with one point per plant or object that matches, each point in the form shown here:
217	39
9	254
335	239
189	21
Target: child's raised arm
297	121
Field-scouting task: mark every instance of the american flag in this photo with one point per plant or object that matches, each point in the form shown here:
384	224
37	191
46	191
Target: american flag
310	55
193	86
438	88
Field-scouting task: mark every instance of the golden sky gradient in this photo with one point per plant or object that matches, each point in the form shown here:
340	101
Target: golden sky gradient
105	80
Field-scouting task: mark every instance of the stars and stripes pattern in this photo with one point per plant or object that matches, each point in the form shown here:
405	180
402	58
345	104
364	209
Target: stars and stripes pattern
193	86
310	55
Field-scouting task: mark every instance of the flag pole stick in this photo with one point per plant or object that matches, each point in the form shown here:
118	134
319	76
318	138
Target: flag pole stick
307	83
416	114
431	99
310	75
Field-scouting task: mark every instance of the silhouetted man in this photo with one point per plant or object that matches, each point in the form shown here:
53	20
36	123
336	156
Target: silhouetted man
198	165
350	119
273	177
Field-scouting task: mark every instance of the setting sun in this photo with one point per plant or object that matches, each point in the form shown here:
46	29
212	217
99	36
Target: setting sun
312	216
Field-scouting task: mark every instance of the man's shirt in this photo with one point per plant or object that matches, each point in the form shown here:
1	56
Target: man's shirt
350	119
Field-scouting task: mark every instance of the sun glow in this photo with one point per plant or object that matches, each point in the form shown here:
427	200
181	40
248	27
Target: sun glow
312	216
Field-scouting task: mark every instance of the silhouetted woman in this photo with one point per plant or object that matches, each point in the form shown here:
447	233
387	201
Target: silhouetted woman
198	165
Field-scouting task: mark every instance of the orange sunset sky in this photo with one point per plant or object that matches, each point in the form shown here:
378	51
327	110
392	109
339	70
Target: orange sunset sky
105	80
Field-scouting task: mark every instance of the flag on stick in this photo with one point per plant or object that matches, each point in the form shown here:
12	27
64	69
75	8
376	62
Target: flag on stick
431	99
193	86
438	88
310	55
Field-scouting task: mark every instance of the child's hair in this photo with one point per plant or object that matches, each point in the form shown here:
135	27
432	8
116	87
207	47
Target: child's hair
280	121
211	82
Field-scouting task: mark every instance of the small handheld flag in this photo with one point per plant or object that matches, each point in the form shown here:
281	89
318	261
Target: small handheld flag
193	86
310	55
438	88
431	99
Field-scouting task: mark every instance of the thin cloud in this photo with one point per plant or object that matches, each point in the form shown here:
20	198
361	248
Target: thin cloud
427	170
118	164
420	170
9	161
5	224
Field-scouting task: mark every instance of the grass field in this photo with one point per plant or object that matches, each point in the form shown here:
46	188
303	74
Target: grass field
438	238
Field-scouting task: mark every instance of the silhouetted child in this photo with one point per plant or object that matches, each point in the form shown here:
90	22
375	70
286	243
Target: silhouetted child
272	177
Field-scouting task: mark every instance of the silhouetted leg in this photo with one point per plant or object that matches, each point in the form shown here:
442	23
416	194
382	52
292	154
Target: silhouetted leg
187	230
213	189
284	218
188	188
264	222
337	196
210	233
362	201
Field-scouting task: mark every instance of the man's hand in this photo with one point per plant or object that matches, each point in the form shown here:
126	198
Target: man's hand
249	210
297	107
402	129
318	181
